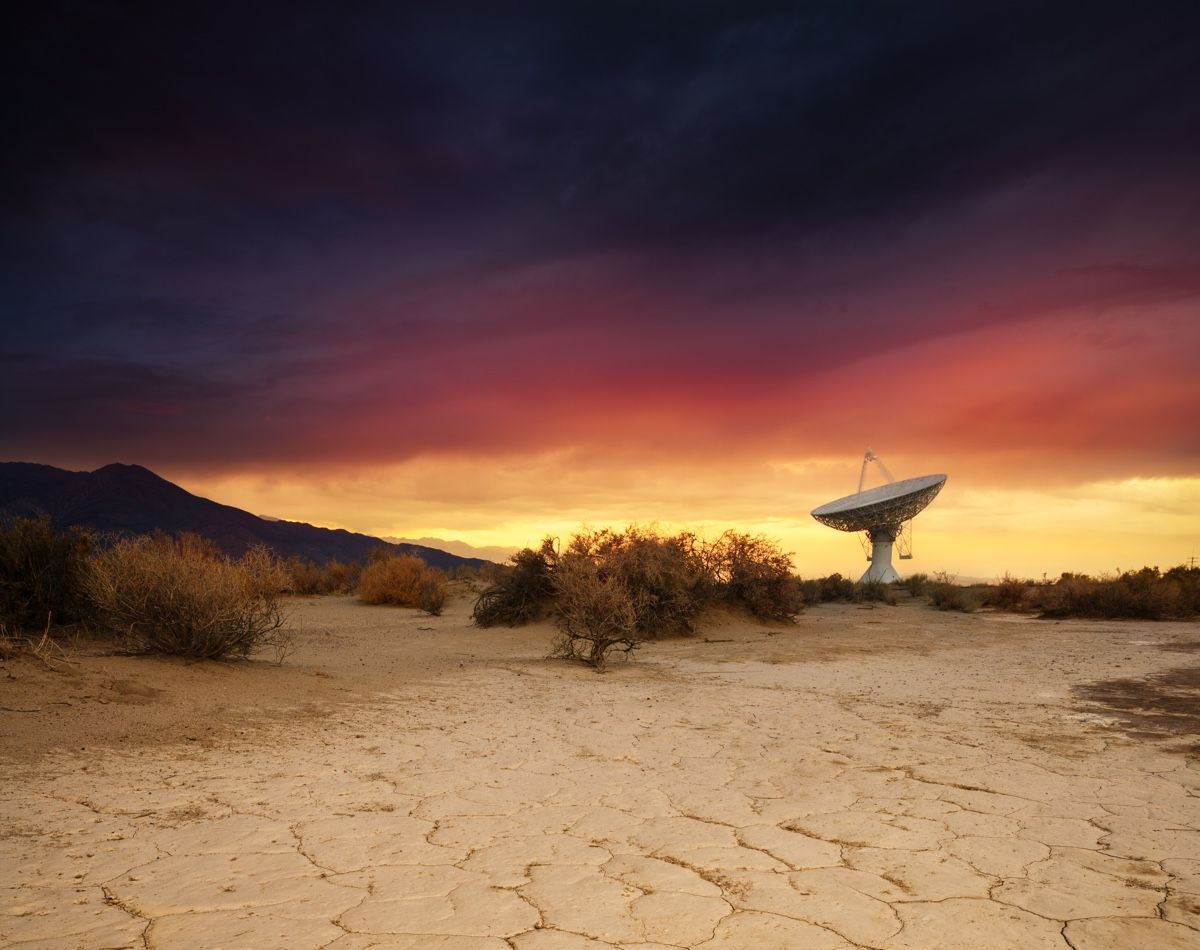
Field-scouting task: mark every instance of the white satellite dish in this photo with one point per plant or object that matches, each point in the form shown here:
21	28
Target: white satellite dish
880	512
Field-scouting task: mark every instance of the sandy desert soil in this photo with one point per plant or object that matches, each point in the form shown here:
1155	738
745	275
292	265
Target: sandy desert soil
887	777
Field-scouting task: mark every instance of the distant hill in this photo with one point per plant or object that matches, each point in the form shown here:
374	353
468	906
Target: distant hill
498	555
129	499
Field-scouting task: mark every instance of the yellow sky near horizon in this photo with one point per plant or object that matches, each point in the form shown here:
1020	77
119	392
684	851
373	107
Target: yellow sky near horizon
973	529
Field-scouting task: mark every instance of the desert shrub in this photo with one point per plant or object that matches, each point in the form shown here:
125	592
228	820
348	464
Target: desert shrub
305	576
595	614
917	585
491	572
874	592
1148	595
1186	581
670	579
470	573
1008	594
10	644
665	575
333	577
41	574
405	581
1145	594
944	594
180	596
341	577
753	573
835	588
521	591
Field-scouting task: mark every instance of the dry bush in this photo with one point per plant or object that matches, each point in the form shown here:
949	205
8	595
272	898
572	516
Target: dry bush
739	564
950	597
838	589
944	594
1072	595
341	577
183	597
405	581
1145	594
670	579
1008	594
666	576
9	644
492	572
521	591
753	573
874	592
917	585
824	590
305	576
1186	581
673	578
466	572
41	574
333	577
595	614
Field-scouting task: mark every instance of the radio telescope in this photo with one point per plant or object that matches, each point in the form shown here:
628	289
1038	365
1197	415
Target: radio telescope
882	513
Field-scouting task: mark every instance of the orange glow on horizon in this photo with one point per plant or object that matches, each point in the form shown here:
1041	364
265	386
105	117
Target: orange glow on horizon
970	530
1047	430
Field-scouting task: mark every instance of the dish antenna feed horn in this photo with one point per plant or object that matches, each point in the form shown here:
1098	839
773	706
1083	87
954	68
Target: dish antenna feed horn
883	513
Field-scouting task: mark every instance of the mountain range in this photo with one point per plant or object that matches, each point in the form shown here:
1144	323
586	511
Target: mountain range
494	553
129	499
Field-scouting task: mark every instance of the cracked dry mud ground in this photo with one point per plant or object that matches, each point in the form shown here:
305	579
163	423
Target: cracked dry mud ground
888	778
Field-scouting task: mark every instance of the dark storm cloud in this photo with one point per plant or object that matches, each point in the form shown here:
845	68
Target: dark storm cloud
98	405
257	222
142	313
599	121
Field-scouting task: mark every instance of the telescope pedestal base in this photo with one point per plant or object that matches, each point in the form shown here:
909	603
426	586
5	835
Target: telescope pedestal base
881	570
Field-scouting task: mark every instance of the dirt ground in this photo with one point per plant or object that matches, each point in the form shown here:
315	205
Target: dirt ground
886	777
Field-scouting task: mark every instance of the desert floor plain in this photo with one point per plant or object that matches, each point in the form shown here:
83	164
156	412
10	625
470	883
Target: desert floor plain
885	776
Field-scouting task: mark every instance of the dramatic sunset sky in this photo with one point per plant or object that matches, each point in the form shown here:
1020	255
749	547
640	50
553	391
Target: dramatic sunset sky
488	271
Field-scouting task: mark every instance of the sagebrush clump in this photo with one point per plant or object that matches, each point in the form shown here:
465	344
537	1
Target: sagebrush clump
1008	594
753	573
41	574
403	581
945	594
595	613
182	596
520	593
1145	594
665	577
332	577
664	581
916	584
834	588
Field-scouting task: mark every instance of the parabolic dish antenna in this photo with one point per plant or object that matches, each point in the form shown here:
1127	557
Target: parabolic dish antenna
880	512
